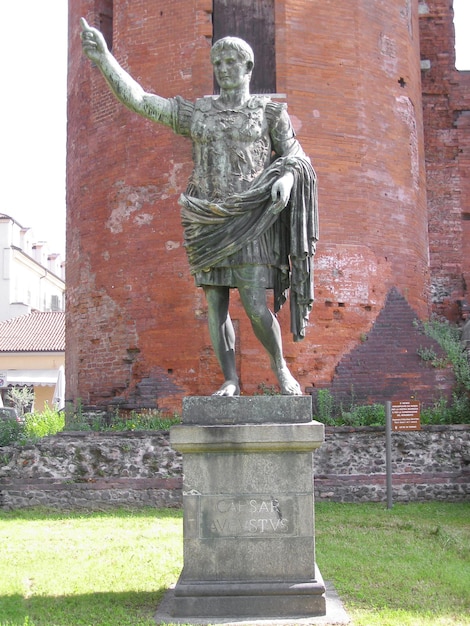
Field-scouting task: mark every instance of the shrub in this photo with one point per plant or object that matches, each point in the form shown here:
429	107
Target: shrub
364	415
11	432
442	413
325	407
35	426
151	419
331	413
21	397
41	424
448	336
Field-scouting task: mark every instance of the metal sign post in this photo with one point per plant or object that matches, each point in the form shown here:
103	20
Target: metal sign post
399	416
388	452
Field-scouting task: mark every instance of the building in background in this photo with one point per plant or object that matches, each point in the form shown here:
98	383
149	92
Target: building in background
32	279
379	107
32	317
32	354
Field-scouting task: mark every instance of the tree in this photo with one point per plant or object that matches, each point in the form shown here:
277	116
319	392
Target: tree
22	397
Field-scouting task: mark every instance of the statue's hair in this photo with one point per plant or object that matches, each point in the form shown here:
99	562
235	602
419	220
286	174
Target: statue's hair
233	43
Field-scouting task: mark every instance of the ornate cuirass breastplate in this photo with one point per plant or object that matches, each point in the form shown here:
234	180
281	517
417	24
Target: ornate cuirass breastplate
231	147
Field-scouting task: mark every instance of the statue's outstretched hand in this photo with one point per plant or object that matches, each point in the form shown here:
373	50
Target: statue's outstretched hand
280	192
93	42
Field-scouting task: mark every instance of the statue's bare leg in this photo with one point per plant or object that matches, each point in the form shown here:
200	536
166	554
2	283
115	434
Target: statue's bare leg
223	338
267	330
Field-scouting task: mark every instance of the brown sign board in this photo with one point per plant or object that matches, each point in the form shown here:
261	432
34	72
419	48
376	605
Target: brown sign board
406	416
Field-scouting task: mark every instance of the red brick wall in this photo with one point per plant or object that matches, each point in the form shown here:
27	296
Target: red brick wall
136	325
386	363
446	106
131	302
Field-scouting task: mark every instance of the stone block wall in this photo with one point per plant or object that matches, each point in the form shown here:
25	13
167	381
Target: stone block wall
431	464
92	471
97	471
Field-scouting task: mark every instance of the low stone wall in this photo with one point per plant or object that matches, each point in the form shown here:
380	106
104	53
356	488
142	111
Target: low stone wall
430	464
92	471
135	469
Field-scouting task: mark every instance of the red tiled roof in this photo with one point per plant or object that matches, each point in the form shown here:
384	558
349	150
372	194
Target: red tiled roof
36	332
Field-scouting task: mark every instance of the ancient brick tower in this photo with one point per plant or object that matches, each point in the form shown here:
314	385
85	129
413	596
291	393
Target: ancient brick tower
351	75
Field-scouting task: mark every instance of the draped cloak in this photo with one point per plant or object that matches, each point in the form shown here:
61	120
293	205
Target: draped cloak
217	229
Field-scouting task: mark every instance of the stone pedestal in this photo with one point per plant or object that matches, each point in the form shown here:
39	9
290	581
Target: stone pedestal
249	540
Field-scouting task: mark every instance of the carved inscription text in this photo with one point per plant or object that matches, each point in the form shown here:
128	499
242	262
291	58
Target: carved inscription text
257	517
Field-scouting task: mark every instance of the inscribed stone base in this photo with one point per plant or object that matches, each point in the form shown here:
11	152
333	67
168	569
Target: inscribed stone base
249	539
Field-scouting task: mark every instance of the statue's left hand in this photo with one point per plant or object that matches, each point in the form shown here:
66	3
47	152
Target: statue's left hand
280	192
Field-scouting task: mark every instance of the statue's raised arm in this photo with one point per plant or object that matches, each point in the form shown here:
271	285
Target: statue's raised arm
124	87
249	213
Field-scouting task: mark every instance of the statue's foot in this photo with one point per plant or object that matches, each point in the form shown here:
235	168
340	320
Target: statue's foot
289	386
229	388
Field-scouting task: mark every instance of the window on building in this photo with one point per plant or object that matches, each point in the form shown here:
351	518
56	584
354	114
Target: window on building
462	29
253	22
104	10
55	304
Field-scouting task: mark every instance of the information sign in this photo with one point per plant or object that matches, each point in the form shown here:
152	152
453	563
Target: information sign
406	416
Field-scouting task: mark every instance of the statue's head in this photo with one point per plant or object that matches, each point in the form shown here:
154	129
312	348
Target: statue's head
242	49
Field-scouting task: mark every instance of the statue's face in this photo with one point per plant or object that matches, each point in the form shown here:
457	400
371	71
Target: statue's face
230	70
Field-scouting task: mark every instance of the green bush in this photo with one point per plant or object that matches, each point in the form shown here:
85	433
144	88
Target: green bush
332	413
35	426
151	419
364	415
448	336
47	422
11	432
21	397
458	412
325	407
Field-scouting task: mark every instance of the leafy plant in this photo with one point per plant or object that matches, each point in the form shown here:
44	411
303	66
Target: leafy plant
363	415
11	432
428	354
333	413
34	426
267	390
448	336
41	424
21	397
458	412
325	407
152	419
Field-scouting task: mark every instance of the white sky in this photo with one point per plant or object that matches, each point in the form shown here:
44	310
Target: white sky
33	49
462	34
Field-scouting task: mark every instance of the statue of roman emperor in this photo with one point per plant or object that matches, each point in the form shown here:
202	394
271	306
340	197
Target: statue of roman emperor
249	212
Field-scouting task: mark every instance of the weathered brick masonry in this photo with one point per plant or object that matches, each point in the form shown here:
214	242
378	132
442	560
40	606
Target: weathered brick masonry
446	107
351	71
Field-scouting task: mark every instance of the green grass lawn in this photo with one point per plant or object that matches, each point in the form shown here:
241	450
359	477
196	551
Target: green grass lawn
406	566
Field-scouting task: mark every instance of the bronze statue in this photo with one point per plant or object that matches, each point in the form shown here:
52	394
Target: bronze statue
250	209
